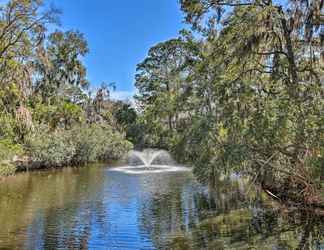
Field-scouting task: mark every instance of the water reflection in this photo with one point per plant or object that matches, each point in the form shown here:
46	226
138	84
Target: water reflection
244	218
94	208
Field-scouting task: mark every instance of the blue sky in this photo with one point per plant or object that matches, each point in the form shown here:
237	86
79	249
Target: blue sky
120	34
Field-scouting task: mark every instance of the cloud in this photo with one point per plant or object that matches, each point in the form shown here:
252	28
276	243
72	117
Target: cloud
122	95
127	96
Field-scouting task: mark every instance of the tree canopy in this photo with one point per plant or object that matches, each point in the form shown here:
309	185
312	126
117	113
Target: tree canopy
44	93
249	91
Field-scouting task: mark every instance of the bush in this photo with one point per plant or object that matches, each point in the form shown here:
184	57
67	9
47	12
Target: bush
88	143
98	143
51	149
7	169
7	152
115	148
7	126
80	145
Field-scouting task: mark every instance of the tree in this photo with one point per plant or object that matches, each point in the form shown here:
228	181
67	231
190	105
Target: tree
249	89
270	91
102	95
22	29
127	117
42	92
59	64
160	80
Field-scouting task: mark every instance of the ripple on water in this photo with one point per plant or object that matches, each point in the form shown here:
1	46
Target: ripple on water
101	208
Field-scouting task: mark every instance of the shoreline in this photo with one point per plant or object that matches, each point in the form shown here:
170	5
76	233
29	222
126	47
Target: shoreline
42	168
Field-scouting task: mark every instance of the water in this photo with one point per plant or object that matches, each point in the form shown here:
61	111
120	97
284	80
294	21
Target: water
149	157
97	207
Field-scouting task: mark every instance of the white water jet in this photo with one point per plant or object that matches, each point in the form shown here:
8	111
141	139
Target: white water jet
149	157
149	161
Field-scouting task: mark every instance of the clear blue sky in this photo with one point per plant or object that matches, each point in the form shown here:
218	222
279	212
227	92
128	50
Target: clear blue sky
119	34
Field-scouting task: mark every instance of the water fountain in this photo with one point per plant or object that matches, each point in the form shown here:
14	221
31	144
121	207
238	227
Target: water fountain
149	157
149	161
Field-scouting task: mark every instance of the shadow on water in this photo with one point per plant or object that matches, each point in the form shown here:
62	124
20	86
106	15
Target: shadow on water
232	216
96	208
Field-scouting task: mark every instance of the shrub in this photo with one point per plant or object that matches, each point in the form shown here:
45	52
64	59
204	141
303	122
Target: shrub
116	148
80	145
86	143
98	143
7	169
7	152
51	149
7	126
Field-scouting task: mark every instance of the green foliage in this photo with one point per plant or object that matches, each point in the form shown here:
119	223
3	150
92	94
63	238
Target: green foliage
51	149
97	143
46	112
127	117
7	169
64	114
59	65
43	113
7	124
162	83
80	145
125	114
69	113
245	95
9	97
8	150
